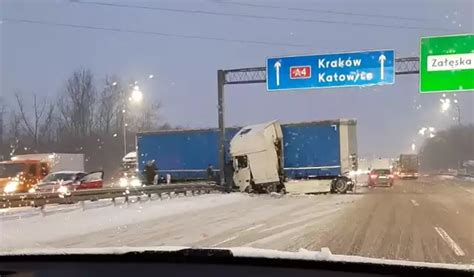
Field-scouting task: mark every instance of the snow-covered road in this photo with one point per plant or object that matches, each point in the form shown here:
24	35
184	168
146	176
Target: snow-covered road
216	220
418	220
33	227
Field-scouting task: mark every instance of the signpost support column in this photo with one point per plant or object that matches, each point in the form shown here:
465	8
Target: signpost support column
220	107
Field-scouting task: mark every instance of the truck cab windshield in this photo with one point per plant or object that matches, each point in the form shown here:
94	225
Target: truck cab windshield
10	170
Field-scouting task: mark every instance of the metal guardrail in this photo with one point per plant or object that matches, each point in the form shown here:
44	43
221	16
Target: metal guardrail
46	198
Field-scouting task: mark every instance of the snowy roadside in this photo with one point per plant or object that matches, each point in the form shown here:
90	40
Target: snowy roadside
65	221
465	179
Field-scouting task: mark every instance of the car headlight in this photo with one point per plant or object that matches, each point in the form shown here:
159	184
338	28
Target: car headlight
11	186
123	182
63	190
135	183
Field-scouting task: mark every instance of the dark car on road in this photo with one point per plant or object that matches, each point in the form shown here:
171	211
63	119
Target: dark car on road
381	177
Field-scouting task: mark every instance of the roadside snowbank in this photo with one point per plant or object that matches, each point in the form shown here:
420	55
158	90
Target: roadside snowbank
468	178
446	177
465	178
64	221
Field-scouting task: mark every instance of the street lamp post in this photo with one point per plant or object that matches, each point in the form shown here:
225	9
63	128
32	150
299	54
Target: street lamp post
136	96
446	105
124	129
458	109
427	131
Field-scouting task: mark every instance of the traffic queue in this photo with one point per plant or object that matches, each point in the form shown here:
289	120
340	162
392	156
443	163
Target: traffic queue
48	172
64	173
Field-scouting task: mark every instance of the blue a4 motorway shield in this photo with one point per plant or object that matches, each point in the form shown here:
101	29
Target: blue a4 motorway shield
331	70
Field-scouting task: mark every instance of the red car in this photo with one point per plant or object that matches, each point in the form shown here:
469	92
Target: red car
381	177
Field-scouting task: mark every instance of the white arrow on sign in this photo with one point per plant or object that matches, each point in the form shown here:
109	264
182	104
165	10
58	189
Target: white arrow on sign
277	66
382	59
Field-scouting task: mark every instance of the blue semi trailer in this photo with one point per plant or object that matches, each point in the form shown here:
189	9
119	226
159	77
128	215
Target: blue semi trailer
316	149
184	154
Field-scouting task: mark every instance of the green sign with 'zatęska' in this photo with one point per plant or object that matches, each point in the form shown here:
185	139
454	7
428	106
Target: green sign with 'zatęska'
447	63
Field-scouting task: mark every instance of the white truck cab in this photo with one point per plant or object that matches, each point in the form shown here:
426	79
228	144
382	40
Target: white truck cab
257	157
257	153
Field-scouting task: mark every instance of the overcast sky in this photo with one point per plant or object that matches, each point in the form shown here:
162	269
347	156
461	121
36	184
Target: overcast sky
38	58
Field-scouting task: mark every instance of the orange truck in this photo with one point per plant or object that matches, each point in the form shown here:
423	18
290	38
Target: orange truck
24	171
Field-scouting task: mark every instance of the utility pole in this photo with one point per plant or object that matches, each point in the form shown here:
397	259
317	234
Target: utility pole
458	109
220	107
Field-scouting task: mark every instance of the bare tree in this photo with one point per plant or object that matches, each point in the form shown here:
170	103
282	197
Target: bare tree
109	111
449	148
85	119
47	128
14	128
77	104
146	118
38	123
14	132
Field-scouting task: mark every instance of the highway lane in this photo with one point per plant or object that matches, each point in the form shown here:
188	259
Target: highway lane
419	220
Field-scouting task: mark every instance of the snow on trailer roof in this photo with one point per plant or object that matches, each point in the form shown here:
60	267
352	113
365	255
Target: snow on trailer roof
192	130
131	154
67	172
42	156
19	161
348	121
130	157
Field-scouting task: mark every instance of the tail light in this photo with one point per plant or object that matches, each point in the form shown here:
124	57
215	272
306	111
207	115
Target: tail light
373	176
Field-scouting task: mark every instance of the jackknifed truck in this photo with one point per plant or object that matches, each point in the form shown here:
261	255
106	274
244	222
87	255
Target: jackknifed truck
306	157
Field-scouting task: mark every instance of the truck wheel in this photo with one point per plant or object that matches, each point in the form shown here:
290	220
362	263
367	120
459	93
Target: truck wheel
271	188
341	186
248	189
281	189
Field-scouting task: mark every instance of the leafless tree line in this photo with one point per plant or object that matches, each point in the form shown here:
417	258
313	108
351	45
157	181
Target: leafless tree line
85	117
448	149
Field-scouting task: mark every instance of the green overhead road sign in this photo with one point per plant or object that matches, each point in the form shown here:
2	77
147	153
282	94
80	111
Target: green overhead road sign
447	63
